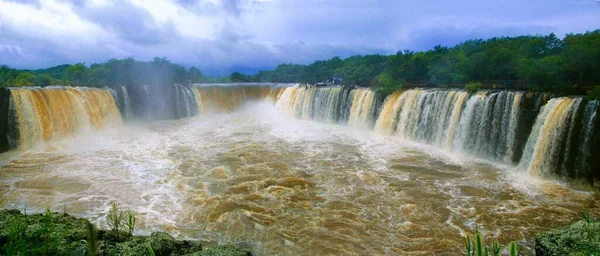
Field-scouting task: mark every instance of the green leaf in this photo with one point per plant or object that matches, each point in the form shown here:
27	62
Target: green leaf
513	249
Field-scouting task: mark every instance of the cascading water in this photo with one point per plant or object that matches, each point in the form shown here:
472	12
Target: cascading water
187	103
40	114
127	114
584	154
483	124
329	104
230	98
561	139
285	186
363	109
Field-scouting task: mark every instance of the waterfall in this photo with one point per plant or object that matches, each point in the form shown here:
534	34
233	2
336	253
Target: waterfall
186	101
483	124
363	108
328	104
229	98
41	114
542	153
584	153
148	108
127	114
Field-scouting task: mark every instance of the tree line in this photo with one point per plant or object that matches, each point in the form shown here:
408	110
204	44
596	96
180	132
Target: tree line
127	71
542	62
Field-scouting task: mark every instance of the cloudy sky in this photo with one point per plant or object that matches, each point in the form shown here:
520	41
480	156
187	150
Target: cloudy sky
223	35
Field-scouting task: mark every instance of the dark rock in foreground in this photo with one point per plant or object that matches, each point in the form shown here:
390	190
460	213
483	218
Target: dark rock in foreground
62	234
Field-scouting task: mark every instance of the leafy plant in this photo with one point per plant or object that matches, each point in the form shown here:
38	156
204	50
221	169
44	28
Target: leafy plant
595	93
478	248
472	87
117	220
114	218
50	237
151	250
92	240
16	244
130	222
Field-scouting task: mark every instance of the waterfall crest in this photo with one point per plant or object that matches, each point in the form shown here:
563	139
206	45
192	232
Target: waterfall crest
40	114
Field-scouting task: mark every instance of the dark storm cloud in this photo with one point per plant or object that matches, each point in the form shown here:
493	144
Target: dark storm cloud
222	35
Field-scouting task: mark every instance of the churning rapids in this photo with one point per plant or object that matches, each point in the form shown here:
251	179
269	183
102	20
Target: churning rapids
288	186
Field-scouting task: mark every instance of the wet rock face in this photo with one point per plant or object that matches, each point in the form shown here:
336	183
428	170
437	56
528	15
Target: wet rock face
4	115
62	234
579	238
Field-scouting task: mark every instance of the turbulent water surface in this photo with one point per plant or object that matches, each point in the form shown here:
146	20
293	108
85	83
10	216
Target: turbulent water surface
288	186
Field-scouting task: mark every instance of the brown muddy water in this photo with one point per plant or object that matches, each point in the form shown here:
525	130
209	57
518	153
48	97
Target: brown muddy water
288	187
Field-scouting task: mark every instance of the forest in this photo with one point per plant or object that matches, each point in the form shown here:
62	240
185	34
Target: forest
541	62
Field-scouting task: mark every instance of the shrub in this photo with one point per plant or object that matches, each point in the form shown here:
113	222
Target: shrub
118	220
595	93
385	84
472	87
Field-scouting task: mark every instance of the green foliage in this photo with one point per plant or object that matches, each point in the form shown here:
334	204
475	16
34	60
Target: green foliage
151	251
478	248
543	62
130	222
473	87
546	62
385	84
16	244
513	249
595	93
34	234
238	77
113	72
92	239
119	220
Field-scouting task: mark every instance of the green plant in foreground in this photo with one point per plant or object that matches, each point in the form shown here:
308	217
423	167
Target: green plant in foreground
130	222
92	240
472	87
478	248
117	220
16	244
151	250
49	235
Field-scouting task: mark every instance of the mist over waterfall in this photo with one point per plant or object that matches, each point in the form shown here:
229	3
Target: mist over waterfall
298	168
538	134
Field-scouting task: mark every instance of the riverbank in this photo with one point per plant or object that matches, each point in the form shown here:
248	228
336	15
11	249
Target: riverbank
62	234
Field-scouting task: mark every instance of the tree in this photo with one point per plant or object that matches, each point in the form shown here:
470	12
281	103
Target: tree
77	74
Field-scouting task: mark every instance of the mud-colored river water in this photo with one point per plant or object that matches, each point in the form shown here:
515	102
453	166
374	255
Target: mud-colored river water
287	186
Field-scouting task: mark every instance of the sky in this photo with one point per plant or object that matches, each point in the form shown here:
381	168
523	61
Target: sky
220	36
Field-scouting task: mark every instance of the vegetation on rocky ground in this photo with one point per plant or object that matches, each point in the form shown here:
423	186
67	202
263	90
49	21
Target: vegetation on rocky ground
594	93
54	233
579	238
473	87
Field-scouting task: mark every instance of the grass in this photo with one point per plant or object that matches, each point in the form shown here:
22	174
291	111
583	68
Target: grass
478	248
53	233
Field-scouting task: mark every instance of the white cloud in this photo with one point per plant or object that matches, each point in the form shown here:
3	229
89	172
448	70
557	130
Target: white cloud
220	34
